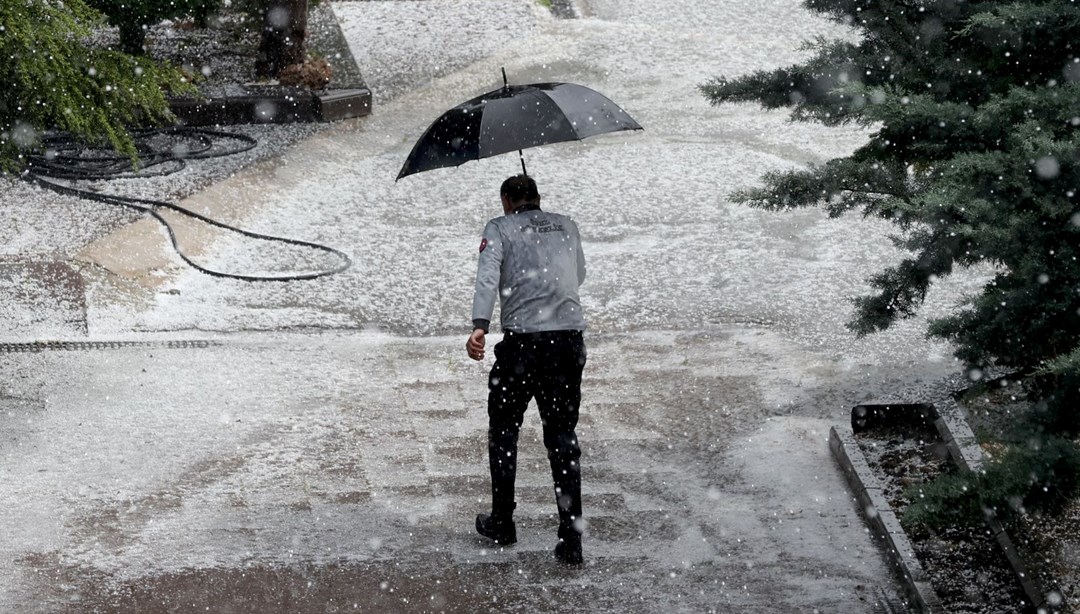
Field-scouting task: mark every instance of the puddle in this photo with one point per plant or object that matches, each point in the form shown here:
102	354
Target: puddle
346	587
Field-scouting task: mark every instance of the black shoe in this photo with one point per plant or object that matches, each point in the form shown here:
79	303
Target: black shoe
502	532
568	550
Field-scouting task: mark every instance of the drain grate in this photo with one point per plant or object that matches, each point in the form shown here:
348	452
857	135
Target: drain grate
77	346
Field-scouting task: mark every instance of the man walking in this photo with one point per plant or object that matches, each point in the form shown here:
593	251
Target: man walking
532	261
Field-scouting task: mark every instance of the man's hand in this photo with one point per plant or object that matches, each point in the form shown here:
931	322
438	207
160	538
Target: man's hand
475	345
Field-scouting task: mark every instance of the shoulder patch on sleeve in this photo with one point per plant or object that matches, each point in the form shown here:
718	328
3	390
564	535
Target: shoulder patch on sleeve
483	244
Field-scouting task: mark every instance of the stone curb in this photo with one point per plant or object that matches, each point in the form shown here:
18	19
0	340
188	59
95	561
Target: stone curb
883	521
277	106
964	450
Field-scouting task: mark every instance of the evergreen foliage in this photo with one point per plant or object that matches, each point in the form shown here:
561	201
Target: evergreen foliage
1059	412
974	153
53	81
1037	474
132	17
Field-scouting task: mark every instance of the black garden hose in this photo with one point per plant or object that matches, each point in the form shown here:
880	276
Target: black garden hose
67	159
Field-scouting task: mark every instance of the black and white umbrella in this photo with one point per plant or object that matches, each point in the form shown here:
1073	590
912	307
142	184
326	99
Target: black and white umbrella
515	117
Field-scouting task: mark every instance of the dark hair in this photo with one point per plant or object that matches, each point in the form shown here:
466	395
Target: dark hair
519	189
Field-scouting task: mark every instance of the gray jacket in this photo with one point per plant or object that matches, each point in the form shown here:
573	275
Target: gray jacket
531	260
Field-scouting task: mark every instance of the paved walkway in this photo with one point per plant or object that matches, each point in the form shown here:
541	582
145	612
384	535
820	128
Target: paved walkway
300	472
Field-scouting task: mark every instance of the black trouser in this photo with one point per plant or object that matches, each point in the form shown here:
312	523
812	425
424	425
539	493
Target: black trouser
546	366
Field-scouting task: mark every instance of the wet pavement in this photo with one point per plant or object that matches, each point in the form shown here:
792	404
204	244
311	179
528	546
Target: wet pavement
311	472
199	444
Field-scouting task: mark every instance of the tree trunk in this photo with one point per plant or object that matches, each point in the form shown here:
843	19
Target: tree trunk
132	38
284	29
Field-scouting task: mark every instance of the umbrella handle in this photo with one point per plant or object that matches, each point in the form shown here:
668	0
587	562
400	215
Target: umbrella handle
522	156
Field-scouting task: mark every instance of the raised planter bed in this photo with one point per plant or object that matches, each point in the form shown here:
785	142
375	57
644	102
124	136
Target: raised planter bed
221	58
891	446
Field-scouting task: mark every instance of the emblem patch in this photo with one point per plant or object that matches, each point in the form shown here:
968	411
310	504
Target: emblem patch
483	244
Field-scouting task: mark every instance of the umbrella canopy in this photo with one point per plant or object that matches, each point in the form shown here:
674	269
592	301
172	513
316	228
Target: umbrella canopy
515	117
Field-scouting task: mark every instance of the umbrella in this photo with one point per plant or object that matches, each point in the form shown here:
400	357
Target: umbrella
515	117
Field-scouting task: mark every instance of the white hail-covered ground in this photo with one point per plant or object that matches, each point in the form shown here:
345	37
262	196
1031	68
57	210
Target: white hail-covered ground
719	356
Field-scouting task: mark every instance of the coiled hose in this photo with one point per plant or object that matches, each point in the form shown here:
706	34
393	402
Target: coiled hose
68	159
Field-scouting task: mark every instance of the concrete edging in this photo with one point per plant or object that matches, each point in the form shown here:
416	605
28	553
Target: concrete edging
277	106
883	521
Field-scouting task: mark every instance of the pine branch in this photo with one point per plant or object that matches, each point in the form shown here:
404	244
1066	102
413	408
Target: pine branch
903	288
825	185
54	81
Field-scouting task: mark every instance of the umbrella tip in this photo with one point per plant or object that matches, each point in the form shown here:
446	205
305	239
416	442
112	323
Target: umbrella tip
505	82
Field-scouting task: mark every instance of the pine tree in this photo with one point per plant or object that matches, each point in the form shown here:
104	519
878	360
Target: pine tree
973	108
53	81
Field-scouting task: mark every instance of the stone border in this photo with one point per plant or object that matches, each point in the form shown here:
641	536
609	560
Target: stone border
349	97
964	450
278	106
883	521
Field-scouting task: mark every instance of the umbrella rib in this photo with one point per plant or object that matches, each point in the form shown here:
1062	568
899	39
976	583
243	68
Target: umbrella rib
523	97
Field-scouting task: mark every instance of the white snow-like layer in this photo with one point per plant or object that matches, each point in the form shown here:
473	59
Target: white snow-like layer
361	446
400	45
666	246
39	221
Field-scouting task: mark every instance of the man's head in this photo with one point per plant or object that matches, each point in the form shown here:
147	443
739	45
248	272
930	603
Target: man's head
517	192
